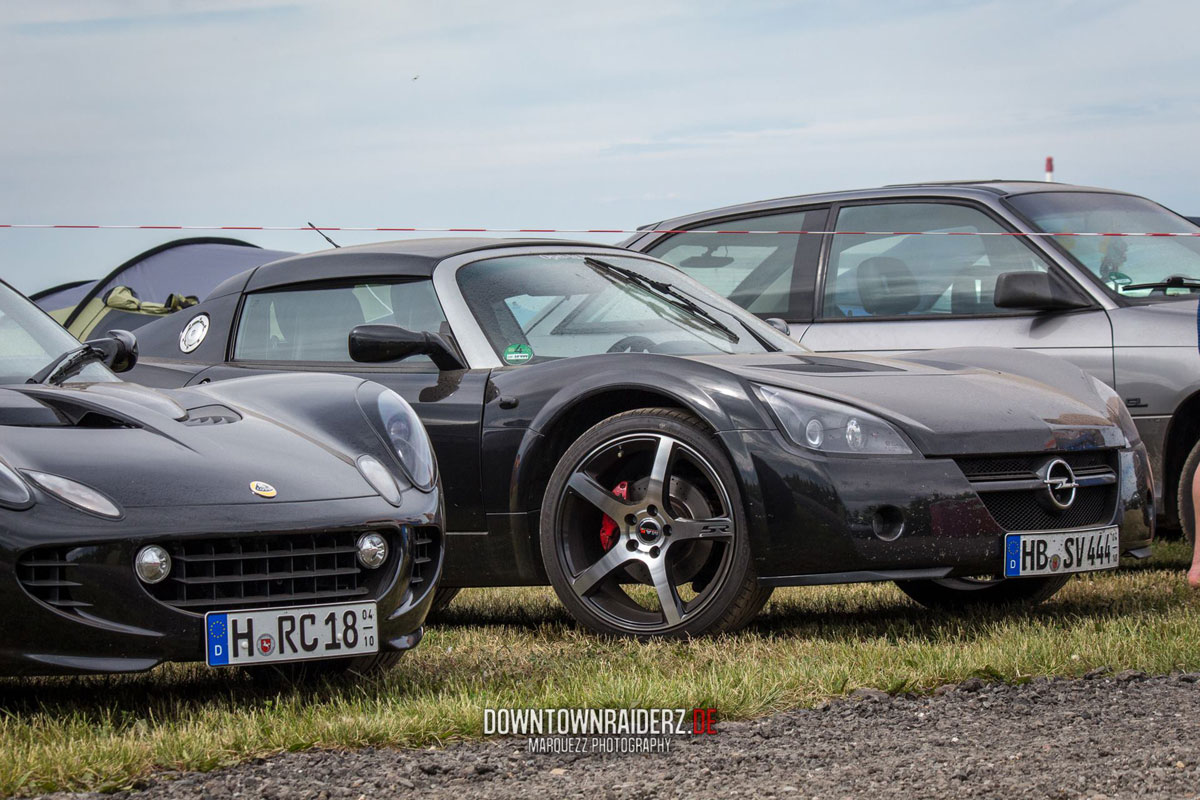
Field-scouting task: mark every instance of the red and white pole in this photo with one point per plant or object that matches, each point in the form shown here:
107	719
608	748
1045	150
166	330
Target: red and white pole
1049	169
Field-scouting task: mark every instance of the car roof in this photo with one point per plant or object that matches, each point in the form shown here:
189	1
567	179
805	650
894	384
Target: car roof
973	189
409	258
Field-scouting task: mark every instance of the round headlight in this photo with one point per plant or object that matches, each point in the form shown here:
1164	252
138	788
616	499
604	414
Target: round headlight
407	436
152	564
814	433
854	435
372	550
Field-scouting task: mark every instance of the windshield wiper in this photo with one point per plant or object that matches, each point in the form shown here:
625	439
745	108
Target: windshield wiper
66	364
1173	282
665	290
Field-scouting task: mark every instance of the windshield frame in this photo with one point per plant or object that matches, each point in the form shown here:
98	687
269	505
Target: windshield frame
477	348
1053	245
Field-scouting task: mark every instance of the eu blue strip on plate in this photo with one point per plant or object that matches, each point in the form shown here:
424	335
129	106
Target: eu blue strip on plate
1012	556
218	639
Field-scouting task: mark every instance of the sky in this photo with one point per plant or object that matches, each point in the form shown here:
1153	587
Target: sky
460	113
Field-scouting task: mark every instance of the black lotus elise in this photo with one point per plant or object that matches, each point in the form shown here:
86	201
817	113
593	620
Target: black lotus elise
282	523
662	457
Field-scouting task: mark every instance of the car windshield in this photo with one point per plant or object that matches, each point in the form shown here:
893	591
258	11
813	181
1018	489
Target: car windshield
558	305
1125	264
29	340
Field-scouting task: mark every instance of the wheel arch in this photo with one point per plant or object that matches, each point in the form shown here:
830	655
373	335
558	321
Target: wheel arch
560	424
1183	431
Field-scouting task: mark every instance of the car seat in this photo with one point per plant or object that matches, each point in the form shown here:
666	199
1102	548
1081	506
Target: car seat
887	287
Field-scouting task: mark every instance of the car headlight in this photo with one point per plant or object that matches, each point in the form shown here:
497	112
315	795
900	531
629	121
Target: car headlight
404	433
75	494
1117	411
14	493
829	427
380	479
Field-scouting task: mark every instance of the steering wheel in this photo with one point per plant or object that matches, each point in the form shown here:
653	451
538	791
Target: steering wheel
632	344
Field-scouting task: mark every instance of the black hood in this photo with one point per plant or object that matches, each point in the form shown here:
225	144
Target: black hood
948	407
144	447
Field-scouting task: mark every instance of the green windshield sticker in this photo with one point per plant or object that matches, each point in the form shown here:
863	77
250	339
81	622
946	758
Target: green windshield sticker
517	353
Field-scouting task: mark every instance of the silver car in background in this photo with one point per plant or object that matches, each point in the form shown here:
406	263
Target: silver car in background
1122	308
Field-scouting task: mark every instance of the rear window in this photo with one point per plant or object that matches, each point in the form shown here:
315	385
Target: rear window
314	324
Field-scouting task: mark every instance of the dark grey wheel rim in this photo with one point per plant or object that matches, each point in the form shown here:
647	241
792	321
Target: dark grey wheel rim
678	529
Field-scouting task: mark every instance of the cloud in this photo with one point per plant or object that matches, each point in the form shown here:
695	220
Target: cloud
548	114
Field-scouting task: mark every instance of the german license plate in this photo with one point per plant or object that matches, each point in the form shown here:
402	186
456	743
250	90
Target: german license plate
1028	554
274	635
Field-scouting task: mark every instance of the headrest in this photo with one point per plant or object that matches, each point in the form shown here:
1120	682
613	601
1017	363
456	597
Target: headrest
887	287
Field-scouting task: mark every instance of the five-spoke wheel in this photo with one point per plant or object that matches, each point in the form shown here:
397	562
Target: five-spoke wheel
642	530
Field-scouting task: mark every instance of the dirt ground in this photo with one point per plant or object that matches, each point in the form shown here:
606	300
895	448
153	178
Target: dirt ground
1109	736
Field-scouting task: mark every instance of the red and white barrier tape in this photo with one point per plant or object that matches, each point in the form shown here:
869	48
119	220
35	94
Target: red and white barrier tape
335	228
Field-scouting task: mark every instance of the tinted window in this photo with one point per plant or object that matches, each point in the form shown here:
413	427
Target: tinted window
1121	262
907	274
541	307
756	271
313	324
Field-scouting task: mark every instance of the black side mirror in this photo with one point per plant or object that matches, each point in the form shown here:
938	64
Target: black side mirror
1033	291
779	325
372	344
120	350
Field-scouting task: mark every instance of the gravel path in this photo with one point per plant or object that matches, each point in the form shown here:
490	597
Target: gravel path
1110	736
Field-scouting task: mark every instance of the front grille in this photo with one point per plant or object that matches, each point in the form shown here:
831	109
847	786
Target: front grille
1026	466
1021	510
268	571
47	575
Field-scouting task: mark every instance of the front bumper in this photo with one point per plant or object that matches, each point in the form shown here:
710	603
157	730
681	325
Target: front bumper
94	615
817	519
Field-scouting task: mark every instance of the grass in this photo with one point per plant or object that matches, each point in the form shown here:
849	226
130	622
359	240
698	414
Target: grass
516	648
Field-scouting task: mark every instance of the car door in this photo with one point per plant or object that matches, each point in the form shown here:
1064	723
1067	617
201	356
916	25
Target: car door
306	329
890	293
768	274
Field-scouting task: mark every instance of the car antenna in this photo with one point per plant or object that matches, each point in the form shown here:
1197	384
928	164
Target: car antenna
326	238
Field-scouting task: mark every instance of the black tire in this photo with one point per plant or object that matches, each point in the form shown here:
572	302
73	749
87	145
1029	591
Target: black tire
306	672
442	597
959	594
683	526
1187	511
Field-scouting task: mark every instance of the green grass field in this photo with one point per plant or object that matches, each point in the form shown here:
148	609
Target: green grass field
515	647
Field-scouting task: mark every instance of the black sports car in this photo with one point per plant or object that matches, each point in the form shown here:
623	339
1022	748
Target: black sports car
281	523
663	458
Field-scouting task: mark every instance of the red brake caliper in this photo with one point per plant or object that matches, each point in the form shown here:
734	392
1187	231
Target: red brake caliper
608	526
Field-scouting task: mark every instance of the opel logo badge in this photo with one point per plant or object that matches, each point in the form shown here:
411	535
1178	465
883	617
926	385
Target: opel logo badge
262	488
1061	485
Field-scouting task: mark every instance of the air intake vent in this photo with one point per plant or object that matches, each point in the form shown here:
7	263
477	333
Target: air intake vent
211	415
47	575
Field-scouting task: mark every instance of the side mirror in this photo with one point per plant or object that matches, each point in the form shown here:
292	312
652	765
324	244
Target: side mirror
779	325
120	350
1033	291
373	344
